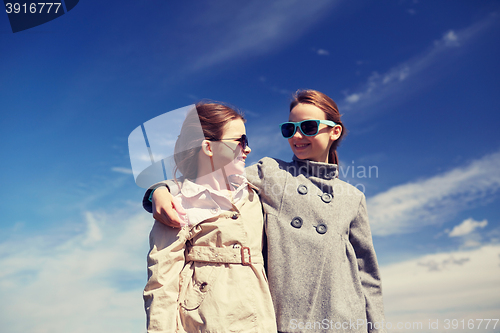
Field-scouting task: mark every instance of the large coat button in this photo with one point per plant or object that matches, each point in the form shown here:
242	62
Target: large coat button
204	287
296	222
326	197
302	189
329	175
321	228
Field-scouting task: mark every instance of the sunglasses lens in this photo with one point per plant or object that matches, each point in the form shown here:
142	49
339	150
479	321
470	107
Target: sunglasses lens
287	130
244	141
309	127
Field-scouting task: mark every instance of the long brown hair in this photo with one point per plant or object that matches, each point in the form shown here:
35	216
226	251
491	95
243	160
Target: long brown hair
329	107
212	116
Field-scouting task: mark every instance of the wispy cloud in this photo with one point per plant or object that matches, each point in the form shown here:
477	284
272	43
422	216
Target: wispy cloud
454	285
467	233
91	282
274	88
410	206
380	86
254	28
466	227
126	171
323	52
449	39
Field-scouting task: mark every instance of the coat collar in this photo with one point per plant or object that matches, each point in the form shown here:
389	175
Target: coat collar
201	203
190	189
316	169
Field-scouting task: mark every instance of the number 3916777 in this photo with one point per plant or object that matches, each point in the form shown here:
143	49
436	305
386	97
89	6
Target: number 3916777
33	8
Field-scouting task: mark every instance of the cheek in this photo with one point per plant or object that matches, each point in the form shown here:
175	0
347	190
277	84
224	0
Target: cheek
228	156
321	142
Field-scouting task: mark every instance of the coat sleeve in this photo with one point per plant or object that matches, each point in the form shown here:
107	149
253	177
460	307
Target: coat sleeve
170	184
260	173
165	262
361	239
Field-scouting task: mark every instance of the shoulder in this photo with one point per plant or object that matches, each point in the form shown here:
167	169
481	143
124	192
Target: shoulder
273	163
174	186
348	192
266	166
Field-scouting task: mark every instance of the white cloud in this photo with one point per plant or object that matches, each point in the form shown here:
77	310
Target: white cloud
434	200
94	233
466	227
450	39
353	98
235	30
455	285
89	282
386	87
127	171
323	52
93	280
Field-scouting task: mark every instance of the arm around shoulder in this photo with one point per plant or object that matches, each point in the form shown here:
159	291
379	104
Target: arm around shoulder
170	185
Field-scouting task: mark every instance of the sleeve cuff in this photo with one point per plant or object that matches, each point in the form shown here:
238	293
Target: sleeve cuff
150	198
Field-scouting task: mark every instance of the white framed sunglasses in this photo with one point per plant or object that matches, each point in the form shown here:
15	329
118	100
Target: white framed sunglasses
309	127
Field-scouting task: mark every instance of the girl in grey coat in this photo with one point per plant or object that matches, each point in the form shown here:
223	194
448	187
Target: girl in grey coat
322	268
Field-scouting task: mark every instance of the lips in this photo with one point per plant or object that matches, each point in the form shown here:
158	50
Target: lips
301	146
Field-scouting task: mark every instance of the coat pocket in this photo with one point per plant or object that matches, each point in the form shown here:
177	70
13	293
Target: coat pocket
199	285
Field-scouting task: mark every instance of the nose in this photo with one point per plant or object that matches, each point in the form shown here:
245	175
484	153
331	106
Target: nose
298	134
247	150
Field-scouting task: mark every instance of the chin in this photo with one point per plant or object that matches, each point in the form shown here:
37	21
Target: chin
238	169
302	155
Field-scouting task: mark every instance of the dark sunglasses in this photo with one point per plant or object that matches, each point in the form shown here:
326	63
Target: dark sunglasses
243	141
309	127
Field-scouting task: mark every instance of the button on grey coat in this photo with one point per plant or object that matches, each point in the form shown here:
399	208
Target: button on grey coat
322	271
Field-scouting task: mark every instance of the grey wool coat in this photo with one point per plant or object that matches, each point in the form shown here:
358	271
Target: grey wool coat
322	268
321	264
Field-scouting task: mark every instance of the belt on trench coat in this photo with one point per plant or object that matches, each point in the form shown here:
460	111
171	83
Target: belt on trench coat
225	255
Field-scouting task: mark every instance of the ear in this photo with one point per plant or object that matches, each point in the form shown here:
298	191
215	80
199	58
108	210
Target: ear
206	147
335	132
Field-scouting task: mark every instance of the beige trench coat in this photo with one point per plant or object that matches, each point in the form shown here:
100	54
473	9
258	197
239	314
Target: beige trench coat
210	277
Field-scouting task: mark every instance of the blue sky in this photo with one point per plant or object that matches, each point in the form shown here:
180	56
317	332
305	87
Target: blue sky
416	81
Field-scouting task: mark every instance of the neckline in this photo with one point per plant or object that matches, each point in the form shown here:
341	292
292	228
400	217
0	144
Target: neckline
316	169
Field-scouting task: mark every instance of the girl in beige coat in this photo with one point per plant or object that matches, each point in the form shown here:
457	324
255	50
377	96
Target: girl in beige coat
209	276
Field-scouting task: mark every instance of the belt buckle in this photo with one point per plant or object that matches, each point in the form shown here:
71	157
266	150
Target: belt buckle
243	261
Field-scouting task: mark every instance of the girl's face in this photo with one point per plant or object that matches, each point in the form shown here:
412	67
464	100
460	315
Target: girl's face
314	148
228	153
